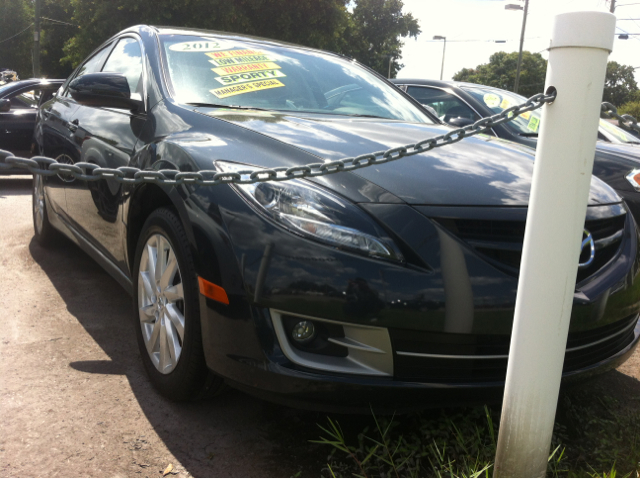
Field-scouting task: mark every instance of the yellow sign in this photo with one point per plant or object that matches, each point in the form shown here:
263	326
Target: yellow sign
221	62
235	53
246	88
251	67
534	124
526	115
505	104
245	77
491	100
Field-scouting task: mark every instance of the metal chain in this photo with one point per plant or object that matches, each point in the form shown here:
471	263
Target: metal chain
41	165
624	121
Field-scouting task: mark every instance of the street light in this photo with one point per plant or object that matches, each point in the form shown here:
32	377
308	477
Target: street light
444	45
512	6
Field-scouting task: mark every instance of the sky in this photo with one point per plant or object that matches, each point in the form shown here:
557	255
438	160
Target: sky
473	26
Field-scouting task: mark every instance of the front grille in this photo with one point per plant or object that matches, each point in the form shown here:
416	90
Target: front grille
500	242
443	357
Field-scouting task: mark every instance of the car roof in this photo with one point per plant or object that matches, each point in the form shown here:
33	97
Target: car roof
439	83
169	30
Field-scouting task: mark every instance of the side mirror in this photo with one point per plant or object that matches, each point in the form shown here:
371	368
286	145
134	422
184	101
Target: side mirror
107	90
5	105
460	122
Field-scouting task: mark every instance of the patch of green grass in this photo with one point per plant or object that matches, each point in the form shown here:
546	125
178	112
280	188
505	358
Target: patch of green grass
597	438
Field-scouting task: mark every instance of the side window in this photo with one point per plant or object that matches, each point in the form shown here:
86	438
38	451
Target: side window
92	65
446	105
126	58
25	100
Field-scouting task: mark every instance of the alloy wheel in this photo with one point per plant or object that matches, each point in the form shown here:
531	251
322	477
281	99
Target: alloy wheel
161	303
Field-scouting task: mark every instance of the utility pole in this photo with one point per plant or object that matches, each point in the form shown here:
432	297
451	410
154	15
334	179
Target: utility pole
524	24
36	41
613	6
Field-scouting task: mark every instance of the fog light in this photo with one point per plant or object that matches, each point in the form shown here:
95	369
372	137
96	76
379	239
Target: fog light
303	332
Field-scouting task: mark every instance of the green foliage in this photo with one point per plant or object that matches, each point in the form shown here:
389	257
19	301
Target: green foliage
501	70
631	108
371	32
619	85
595	435
54	36
15	54
458	445
374	34
316	23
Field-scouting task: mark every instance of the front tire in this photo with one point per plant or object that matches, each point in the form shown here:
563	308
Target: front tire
167	312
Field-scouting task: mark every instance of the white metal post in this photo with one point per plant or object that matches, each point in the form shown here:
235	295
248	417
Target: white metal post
580	45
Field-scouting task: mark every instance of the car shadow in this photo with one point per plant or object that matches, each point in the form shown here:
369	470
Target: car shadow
232	434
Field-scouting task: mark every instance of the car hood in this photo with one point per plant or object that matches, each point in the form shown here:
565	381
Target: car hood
476	171
630	151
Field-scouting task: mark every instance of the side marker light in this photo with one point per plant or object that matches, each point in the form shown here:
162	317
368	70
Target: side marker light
213	291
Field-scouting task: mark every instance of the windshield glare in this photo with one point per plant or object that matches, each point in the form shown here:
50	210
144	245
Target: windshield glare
529	123
240	74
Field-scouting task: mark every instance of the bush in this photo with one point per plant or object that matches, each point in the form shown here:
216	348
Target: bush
631	108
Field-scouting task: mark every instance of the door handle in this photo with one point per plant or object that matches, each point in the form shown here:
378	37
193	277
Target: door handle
73	126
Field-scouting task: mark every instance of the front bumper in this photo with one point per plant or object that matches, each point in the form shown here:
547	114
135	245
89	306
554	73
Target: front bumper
431	307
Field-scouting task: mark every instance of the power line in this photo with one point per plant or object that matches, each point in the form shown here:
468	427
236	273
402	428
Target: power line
60	22
19	33
480	41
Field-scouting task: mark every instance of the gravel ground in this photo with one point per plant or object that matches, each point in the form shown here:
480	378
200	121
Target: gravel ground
74	398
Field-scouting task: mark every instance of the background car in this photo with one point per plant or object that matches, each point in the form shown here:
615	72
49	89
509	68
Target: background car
459	104
393	285
18	108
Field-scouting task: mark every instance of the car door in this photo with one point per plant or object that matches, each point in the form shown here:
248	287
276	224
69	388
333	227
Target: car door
107	137
16	125
56	133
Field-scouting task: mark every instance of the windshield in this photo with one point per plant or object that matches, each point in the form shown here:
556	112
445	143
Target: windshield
528	123
616	134
499	100
240	74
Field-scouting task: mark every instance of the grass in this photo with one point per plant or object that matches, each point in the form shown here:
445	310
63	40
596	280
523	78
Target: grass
595	435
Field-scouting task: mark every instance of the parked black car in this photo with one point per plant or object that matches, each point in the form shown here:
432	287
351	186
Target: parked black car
393	285
18	106
617	159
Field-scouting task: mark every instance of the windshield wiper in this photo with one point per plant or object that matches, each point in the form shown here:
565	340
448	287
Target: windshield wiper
528	134
232	107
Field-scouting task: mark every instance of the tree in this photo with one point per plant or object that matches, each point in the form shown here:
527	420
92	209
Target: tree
315	23
374	31
54	36
16	36
619	84
500	72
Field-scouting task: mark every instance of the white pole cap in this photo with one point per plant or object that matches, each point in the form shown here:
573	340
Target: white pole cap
583	29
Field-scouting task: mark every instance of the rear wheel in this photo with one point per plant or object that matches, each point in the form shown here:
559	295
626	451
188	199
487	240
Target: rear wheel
45	234
167	312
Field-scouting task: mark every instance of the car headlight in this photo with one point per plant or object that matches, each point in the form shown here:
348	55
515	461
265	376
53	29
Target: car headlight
311	211
633	177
